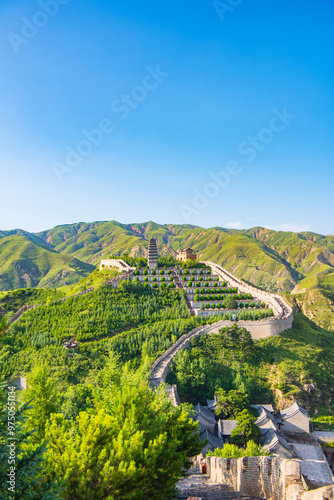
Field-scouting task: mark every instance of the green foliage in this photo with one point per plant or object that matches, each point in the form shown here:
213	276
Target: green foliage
230	302
103	312
233	451
42	392
245	430
30	480
133	446
230	403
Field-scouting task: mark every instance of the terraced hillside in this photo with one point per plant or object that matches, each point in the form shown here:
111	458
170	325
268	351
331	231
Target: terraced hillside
297	263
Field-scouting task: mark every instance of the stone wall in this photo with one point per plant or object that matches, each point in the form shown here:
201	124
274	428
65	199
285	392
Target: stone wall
265	477
118	263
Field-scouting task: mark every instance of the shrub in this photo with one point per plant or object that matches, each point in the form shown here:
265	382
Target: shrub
241	305
171	285
201	278
198	284
163	285
137	273
233	451
247	305
206	284
192	278
153	272
208	271
146	272
184	278
154	279
162	278
154	285
207	306
146	278
215	284
196	299
202	290
224	283
162	272
169	271
186	271
252	304
213	306
145	285
263	304
216	278
171	278
190	284
219	305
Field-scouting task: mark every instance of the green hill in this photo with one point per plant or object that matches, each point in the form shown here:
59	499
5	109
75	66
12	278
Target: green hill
300	264
25	263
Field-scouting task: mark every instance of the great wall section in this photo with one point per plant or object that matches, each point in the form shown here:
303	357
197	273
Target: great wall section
245	478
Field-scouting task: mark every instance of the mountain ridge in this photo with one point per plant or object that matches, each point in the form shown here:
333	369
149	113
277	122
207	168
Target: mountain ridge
281	261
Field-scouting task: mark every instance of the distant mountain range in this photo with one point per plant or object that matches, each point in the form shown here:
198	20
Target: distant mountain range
301	263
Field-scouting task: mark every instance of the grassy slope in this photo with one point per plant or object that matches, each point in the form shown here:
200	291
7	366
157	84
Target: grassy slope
25	263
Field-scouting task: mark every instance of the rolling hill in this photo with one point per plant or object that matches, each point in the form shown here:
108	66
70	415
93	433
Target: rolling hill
26	263
299	264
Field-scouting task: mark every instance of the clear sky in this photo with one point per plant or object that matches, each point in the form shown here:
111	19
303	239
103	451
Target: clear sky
214	114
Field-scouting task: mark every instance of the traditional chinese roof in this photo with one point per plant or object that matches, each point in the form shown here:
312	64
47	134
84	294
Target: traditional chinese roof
271	438
187	250
211	404
214	441
204	415
292	410
226	427
266	407
265	418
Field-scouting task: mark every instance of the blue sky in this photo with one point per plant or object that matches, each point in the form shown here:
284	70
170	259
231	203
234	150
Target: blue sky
186	93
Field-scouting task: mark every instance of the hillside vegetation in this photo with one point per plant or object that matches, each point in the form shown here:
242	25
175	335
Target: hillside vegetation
298	263
25	263
298	364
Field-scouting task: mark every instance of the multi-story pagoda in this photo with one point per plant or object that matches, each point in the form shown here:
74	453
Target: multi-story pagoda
152	254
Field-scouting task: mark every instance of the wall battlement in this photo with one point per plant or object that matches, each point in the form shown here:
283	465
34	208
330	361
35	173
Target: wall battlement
265	477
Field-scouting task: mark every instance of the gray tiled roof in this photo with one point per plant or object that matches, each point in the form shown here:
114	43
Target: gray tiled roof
264	416
204	415
292	410
270	439
266	407
214	441
226	427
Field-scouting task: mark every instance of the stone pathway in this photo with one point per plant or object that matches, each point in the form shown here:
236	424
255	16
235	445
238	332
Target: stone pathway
199	485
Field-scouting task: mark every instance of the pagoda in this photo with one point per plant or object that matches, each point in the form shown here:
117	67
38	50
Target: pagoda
152	254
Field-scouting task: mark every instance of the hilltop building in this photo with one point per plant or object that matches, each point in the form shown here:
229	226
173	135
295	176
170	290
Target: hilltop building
186	254
152	254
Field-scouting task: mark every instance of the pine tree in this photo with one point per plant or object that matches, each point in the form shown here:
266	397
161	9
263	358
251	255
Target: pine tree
28	465
132	447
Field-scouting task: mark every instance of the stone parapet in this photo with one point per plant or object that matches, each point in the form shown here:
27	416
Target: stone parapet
265	477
